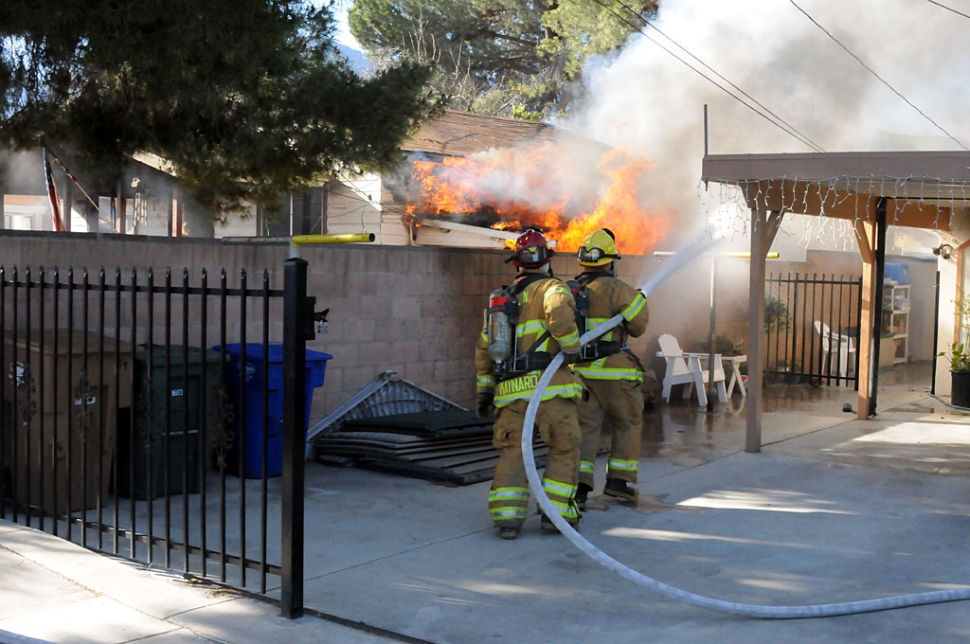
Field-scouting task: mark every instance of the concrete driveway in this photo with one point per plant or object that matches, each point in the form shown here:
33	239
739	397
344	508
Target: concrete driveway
833	509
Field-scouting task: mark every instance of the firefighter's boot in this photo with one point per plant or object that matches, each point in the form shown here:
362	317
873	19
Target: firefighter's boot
582	491
509	529
620	489
546	524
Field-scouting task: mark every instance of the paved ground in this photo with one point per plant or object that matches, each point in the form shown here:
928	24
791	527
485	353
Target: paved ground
832	510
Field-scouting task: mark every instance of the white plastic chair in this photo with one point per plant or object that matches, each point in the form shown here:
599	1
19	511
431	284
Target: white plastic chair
688	369
835	345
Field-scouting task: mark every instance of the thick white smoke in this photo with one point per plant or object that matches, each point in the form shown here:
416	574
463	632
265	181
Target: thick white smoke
646	101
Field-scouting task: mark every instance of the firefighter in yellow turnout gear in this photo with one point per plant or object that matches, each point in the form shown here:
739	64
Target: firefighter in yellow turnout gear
609	370
544	322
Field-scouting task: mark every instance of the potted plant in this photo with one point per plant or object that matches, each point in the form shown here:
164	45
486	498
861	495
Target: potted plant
959	358
723	344
775	322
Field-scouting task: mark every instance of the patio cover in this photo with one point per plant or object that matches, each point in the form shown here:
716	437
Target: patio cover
874	190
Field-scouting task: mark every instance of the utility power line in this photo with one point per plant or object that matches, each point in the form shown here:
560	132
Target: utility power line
774	119
943	6
878	77
788	127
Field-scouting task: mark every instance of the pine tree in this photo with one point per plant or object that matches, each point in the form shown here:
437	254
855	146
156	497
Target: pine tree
248	100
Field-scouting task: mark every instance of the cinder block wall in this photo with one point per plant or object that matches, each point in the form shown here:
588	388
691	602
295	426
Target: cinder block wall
414	310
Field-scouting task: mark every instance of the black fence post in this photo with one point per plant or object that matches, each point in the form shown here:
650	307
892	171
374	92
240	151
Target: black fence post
295	317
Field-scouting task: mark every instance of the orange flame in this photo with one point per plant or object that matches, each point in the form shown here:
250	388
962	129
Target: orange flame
472	185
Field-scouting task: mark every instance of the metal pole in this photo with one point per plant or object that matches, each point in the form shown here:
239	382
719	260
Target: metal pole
878	302
294	435
710	358
705	130
936	328
335	238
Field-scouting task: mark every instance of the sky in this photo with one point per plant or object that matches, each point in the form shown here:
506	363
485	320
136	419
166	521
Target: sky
343	30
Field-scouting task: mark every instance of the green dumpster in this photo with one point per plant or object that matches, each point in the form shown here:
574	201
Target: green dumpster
160	445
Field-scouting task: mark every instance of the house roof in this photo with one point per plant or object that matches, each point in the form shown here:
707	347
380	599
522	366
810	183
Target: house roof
463	133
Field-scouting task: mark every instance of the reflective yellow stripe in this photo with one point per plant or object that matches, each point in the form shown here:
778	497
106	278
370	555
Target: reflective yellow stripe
567	510
486	381
568	341
587	467
623	465
557	490
508	503
505	514
532	327
634	307
590	371
517	493
507	393
592	323
560	489
557	288
529	327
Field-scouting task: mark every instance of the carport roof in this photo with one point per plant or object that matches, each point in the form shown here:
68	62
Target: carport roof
847	184
871	189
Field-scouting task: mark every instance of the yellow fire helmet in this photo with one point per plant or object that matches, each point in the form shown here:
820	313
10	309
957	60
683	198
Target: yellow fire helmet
599	249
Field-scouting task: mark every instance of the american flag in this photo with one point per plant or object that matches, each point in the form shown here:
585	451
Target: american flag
56	218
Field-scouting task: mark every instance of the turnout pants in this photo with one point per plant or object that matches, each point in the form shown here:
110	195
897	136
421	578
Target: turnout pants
620	402
558	425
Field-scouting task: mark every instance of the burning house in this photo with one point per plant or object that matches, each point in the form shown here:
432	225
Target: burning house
476	181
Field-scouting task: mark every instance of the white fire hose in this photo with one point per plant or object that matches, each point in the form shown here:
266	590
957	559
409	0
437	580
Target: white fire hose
735	608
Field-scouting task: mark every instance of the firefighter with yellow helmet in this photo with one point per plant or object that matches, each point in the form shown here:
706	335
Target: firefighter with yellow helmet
610	371
526	325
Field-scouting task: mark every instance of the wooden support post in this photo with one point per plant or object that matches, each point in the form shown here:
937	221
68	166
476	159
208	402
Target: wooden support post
865	232
763	231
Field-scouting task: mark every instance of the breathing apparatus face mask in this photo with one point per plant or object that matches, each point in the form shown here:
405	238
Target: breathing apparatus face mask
593	255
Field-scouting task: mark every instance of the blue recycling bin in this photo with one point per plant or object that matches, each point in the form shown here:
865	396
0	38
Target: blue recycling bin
259	409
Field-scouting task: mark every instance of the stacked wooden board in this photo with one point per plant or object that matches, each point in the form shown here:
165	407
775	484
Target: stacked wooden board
453	446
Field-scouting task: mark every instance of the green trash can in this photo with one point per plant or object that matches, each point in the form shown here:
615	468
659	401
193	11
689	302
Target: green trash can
164	437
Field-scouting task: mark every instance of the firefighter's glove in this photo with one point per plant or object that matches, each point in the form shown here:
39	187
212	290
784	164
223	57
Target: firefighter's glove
486	407
571	358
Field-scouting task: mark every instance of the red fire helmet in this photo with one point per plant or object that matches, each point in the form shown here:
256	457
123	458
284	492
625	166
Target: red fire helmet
531	250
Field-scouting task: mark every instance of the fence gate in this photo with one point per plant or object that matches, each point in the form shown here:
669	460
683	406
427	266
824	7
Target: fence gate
140	417
811	329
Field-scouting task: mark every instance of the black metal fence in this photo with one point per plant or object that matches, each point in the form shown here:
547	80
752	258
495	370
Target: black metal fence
812	329
142	415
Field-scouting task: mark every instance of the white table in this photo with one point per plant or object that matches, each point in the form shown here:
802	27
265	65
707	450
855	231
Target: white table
697	362
736	379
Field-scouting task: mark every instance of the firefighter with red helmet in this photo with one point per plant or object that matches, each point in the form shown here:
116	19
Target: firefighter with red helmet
610	371
540	314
